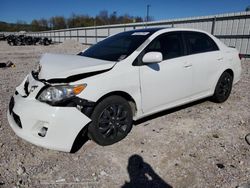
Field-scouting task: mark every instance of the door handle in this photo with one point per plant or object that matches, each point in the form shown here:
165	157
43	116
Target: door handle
187	65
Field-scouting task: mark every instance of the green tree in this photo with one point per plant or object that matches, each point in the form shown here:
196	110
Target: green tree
35	25
60	22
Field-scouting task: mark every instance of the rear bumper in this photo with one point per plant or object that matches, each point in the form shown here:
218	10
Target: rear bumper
63	123
237	73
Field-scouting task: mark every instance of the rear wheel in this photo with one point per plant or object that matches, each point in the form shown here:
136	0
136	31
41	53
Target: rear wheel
223	88
111	121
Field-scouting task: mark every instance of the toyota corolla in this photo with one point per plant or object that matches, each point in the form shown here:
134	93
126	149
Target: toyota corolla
123	78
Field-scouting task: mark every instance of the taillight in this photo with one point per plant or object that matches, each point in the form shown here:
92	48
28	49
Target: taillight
240	56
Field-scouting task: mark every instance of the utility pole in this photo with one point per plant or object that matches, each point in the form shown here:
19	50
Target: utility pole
148	12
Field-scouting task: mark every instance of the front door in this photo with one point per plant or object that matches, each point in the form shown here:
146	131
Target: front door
170	81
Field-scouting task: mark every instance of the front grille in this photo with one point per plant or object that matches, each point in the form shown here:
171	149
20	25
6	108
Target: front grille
11	104
17	119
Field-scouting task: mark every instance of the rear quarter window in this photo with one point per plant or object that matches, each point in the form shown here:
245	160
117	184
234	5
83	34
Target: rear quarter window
199	43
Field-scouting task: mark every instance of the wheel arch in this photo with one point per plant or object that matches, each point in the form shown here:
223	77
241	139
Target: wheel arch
220	99
123	94
82	135
230	71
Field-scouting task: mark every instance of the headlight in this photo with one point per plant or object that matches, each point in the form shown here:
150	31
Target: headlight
59	93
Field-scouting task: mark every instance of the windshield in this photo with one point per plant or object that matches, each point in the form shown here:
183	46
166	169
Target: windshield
117	47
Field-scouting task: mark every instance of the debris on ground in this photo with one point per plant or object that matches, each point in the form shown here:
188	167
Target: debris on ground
7	64
103	173
21	170
220	165
247	138
215	136
244	185
60	180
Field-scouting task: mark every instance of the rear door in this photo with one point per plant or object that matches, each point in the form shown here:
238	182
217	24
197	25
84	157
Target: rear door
167	82
206	60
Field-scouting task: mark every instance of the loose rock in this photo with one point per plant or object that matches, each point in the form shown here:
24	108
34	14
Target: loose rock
247	138
21	171
60	180
220	165
242	122
215	136
103	173
244	185
2	183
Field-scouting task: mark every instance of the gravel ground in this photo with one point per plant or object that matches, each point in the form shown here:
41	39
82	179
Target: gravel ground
198	145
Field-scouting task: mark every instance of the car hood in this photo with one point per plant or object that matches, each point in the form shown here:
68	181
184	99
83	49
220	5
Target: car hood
61	66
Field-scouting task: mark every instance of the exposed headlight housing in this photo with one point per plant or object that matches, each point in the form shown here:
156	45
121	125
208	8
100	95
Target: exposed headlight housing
56	94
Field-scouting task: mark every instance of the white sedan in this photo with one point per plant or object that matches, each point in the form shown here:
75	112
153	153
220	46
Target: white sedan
123	78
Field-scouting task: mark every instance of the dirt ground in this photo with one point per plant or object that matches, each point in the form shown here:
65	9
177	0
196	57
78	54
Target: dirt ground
198	145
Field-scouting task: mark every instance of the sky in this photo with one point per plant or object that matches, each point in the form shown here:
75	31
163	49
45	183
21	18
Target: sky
26	10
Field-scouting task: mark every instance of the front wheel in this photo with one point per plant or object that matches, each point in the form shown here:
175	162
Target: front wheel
111	121
223	88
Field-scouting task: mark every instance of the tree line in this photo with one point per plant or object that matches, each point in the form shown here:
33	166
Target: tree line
60	22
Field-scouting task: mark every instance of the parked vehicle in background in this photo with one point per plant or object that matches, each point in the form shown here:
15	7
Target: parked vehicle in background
12	40
18	40
123	78
2	37
45	41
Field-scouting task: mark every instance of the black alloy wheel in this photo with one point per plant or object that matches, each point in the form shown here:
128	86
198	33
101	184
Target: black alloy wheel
223	88
111	121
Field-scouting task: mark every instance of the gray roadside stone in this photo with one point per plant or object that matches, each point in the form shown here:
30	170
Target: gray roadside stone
247	138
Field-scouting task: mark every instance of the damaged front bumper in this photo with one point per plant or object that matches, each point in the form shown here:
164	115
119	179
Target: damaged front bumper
44	125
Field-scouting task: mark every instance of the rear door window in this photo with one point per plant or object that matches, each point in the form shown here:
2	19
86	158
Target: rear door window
199	42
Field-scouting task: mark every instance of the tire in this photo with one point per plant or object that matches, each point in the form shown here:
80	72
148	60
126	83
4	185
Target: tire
18	43
111	121
11	43
223	88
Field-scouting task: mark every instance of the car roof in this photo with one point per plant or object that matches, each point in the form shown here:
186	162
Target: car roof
155	31
151	29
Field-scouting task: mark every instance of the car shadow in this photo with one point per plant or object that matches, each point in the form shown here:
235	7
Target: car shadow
169	111
141	174
80	140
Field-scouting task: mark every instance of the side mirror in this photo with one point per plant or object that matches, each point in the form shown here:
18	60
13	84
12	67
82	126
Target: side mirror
152	57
